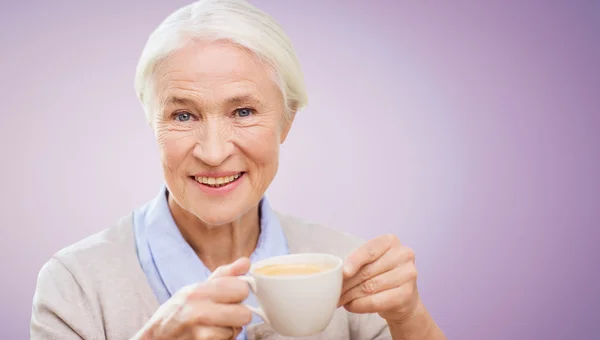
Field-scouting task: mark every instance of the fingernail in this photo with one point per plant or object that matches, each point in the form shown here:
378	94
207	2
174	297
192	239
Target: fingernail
348	269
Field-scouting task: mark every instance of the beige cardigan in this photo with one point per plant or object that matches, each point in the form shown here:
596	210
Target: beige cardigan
95	289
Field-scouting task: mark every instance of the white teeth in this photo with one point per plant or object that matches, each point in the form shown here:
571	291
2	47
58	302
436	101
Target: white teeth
217	181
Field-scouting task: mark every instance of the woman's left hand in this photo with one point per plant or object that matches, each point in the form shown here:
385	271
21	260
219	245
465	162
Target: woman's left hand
381	277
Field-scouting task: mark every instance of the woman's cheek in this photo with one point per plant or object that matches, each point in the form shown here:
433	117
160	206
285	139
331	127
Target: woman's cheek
258	132
174	144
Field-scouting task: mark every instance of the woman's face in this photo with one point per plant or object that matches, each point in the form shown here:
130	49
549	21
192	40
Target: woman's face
219	124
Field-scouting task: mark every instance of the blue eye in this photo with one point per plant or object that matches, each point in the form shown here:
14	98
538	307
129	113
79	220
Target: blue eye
245	112
183	116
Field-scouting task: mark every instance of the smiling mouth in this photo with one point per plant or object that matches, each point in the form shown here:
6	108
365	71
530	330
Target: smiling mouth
217	182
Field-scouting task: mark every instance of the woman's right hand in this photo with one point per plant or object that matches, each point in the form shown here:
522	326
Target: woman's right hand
207	310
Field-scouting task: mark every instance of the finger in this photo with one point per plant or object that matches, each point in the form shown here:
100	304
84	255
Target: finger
239	267
383	301
368	253
227	289
391	259
213	333
386	281
206	312
236	332
170	326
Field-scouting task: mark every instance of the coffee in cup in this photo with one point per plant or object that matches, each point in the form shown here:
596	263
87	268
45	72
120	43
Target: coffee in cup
291	269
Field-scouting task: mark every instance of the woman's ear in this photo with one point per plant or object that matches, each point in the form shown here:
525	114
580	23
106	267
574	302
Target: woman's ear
287	125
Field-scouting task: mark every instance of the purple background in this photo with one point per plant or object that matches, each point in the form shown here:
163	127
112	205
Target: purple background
468	128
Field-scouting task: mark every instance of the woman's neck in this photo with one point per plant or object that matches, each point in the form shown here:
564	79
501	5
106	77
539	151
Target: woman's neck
218	245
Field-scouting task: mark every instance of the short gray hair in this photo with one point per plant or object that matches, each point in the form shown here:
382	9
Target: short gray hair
231	20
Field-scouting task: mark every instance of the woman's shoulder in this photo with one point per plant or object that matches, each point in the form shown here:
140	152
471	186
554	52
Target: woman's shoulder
107	255
98	264
108	245
305	236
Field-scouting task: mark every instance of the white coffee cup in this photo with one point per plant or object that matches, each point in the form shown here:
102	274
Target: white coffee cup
298	305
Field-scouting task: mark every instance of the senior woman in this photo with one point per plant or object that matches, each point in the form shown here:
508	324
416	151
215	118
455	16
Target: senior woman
220	85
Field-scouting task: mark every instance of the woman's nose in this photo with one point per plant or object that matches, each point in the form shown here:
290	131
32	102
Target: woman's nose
214	144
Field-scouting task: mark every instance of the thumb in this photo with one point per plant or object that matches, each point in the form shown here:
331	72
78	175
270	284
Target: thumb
239	267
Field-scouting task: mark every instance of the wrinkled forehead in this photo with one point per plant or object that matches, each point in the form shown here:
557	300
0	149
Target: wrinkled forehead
220	72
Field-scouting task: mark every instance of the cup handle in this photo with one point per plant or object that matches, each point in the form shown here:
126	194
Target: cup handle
252	284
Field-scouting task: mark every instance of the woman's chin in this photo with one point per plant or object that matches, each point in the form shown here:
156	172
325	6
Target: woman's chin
215	214
215	220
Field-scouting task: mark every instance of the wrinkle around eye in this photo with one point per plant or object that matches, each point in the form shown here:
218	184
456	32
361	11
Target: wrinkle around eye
255	129
169	130
250	121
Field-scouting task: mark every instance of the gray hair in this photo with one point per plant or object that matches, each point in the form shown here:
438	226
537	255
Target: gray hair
231	20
